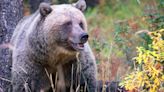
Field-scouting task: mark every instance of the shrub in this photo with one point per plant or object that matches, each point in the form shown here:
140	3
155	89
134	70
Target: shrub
148	74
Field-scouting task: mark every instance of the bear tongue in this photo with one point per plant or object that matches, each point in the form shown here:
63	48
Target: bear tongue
78	46
81	45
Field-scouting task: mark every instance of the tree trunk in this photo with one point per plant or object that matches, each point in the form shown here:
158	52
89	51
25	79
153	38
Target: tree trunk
63	1
34	4
92	3
11	11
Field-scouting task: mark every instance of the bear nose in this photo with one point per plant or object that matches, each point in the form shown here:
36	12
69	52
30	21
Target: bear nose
84	37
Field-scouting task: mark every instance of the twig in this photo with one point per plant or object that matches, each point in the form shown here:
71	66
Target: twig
27	88
56	78
51	80
71	88
5	79
78	72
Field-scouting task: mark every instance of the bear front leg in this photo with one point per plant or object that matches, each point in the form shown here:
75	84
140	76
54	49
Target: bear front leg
89	69
33	80
18	83
89	76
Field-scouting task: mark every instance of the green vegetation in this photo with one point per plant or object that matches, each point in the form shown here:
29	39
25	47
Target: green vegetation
117	28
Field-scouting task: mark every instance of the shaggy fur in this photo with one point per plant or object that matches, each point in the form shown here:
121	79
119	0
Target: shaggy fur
41	46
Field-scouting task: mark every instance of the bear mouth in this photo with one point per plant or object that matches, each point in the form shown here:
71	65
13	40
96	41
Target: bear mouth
78	46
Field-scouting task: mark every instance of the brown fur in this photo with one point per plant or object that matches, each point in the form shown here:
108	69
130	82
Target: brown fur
45	42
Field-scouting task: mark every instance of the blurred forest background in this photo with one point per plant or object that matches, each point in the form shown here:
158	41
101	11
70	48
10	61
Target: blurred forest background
116	28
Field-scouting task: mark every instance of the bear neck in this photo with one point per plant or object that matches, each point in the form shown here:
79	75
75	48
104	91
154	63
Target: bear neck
61	56
41	52
36	45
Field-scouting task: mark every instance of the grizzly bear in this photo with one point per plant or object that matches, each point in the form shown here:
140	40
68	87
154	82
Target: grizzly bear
51	51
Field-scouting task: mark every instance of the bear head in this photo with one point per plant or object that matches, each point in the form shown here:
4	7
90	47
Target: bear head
64	25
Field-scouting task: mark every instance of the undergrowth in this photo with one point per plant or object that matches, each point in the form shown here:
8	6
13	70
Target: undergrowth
117	28
148	74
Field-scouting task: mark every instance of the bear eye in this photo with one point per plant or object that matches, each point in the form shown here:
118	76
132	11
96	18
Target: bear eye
69	23
81	25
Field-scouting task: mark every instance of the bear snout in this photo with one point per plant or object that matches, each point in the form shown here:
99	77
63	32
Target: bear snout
77	41
84	37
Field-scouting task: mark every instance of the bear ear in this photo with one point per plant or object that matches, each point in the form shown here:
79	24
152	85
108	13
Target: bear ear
80	4
45	9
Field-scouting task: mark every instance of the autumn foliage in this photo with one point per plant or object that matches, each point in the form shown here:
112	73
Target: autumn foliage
148	74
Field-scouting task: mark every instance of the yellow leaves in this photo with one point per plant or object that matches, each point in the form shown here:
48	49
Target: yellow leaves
130	81
149	73
162	77
158	42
